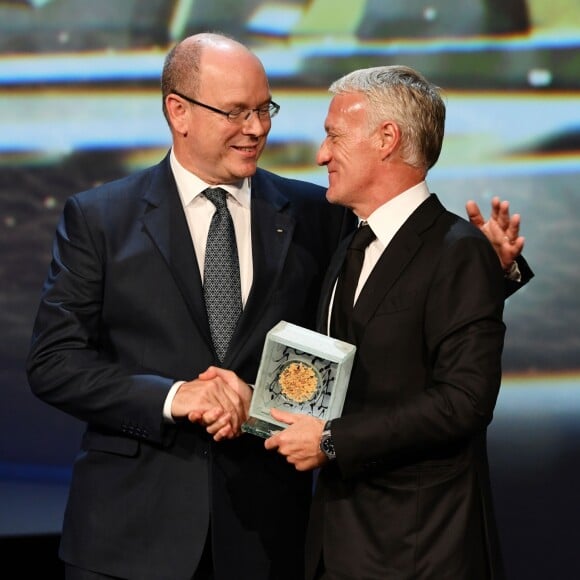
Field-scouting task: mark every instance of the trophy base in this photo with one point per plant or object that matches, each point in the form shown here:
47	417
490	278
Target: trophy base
260	428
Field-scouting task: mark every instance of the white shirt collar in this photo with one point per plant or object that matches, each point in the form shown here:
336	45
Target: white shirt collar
190	186
389	217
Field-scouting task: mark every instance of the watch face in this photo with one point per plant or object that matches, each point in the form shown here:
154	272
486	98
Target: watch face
327	445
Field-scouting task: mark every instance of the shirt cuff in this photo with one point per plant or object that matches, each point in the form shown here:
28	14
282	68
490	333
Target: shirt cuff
167	416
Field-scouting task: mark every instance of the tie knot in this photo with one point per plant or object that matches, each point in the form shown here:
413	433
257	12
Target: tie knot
362	237
217	196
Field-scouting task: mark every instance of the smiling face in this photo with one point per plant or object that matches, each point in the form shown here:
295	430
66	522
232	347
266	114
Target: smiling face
350	152
207	143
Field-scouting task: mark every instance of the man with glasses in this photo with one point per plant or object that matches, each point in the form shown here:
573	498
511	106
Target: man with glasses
163	487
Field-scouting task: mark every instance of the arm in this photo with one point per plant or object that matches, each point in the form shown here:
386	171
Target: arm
441	376
87	352
68	364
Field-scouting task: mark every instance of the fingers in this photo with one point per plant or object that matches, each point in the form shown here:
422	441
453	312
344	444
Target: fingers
499	214
195	398
511	234
209	373
299	442
226	433
495	206
229	378
474	213
512	231
502	215
284	416
218	400
513	243
215	419
510	250
217	423
213	372
231	412
239	408
220	426
234	408
272	442
501	229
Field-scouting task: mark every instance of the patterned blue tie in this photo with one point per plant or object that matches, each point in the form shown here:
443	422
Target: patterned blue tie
221	277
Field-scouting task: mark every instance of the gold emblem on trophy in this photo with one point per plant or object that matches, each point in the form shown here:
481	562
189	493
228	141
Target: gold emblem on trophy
298	382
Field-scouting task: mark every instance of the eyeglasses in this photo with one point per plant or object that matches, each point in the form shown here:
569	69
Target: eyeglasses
265	112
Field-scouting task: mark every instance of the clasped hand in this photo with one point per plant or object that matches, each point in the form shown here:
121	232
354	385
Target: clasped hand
218	400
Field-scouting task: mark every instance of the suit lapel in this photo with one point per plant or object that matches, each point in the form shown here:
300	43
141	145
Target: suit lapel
329	282
165	223
392	263
388	269
272	233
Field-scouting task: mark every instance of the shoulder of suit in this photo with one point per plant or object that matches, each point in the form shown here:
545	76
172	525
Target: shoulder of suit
288	182
133	184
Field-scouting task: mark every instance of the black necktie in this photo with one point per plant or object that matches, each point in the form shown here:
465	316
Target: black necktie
221	277
348	281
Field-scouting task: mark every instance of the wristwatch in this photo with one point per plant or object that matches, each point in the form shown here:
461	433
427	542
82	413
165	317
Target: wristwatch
327	443
513	272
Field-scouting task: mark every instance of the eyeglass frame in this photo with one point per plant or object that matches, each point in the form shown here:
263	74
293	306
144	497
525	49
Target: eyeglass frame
273	109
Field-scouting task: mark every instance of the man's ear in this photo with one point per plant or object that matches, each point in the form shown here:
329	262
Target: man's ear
178	113
390	136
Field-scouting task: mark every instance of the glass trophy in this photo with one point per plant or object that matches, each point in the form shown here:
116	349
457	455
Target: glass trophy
301	371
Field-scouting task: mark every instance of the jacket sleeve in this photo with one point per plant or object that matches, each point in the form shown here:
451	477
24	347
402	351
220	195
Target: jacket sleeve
69	365
512	286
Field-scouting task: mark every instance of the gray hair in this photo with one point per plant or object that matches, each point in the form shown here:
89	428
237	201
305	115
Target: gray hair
401	94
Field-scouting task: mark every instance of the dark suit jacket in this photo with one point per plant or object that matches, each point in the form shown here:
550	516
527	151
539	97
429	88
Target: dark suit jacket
121	318
409	497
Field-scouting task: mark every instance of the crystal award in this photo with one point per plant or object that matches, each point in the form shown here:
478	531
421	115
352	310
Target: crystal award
301	371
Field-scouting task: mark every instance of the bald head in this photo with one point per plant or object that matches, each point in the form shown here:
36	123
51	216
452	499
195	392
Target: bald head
206	78
183	65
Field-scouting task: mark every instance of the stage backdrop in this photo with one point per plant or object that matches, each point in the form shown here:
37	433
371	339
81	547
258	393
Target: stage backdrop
80	104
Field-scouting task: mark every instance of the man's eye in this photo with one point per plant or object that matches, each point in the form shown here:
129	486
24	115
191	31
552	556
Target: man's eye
235	113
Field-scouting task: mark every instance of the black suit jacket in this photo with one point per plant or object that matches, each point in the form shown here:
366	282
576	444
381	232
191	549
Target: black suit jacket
121	318
409	497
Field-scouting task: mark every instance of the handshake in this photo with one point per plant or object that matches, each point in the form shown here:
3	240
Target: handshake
218	400
302	372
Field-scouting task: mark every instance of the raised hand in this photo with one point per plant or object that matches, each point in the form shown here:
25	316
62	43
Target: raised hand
501	229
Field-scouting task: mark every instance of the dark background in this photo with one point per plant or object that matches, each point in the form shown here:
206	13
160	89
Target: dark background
80	104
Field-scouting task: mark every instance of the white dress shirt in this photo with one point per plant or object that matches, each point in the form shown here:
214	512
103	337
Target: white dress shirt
198	211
